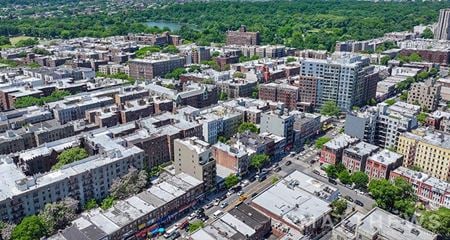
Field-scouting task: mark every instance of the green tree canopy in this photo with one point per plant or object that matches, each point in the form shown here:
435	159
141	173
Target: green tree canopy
360	179
390	102
321	141
344	177
176	73
437	221
329	108
223	96
107	203
331	171
90	204
339	206
422	117
69	156
231	181
248	126
394	196
258	160
30	228
427	33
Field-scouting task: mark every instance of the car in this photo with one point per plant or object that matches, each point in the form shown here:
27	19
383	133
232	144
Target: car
245	182
287	163
240	193
236	188
277	169
200	211
357	202
223	204
229	193
312	161
332	181
204	218
275	165
254	194
209	205
216	202
192	216
348	198
316	172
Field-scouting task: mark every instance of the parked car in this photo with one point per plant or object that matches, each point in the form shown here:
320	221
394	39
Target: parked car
208	205
288	163
229	193
277	169
204	218
316	172
223	204
332	181
350	199
216	202
254	194
357	202
245	182
240	193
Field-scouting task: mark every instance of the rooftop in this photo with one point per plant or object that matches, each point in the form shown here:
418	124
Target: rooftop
383	225
386	157
340	142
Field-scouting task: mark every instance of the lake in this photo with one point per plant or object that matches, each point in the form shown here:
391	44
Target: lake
161	24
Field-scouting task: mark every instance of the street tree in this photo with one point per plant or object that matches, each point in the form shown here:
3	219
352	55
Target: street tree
59	214
360	179
231	181
258	160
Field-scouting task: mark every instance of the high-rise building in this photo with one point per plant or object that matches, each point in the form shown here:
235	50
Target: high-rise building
345	79
442	31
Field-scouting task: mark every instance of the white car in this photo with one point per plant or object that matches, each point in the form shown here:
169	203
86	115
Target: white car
223	204
241	193
229	193
245	183
216	202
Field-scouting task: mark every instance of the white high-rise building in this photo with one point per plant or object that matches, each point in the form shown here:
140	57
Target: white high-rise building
442	31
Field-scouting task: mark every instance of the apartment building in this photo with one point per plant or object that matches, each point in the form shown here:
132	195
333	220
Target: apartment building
231	156
430	190
380	164
74	108
307	89
428	150
381	125
306	125
198	96
193	156
355	157
242	37
426	94
82	180
236	88
284	93
158	66
344	79
379	224
139	216
280	123
332	151
442	30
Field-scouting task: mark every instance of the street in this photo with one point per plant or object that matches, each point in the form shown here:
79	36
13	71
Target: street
305	161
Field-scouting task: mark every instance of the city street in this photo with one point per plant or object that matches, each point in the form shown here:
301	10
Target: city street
302	162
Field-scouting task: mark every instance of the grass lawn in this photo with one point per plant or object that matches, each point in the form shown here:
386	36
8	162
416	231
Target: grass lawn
14	40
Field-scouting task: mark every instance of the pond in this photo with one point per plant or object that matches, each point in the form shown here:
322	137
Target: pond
162	24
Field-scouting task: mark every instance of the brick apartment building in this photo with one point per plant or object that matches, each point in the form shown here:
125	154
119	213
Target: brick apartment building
355	157
147	69
280	93
242	37
332	151
380	165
